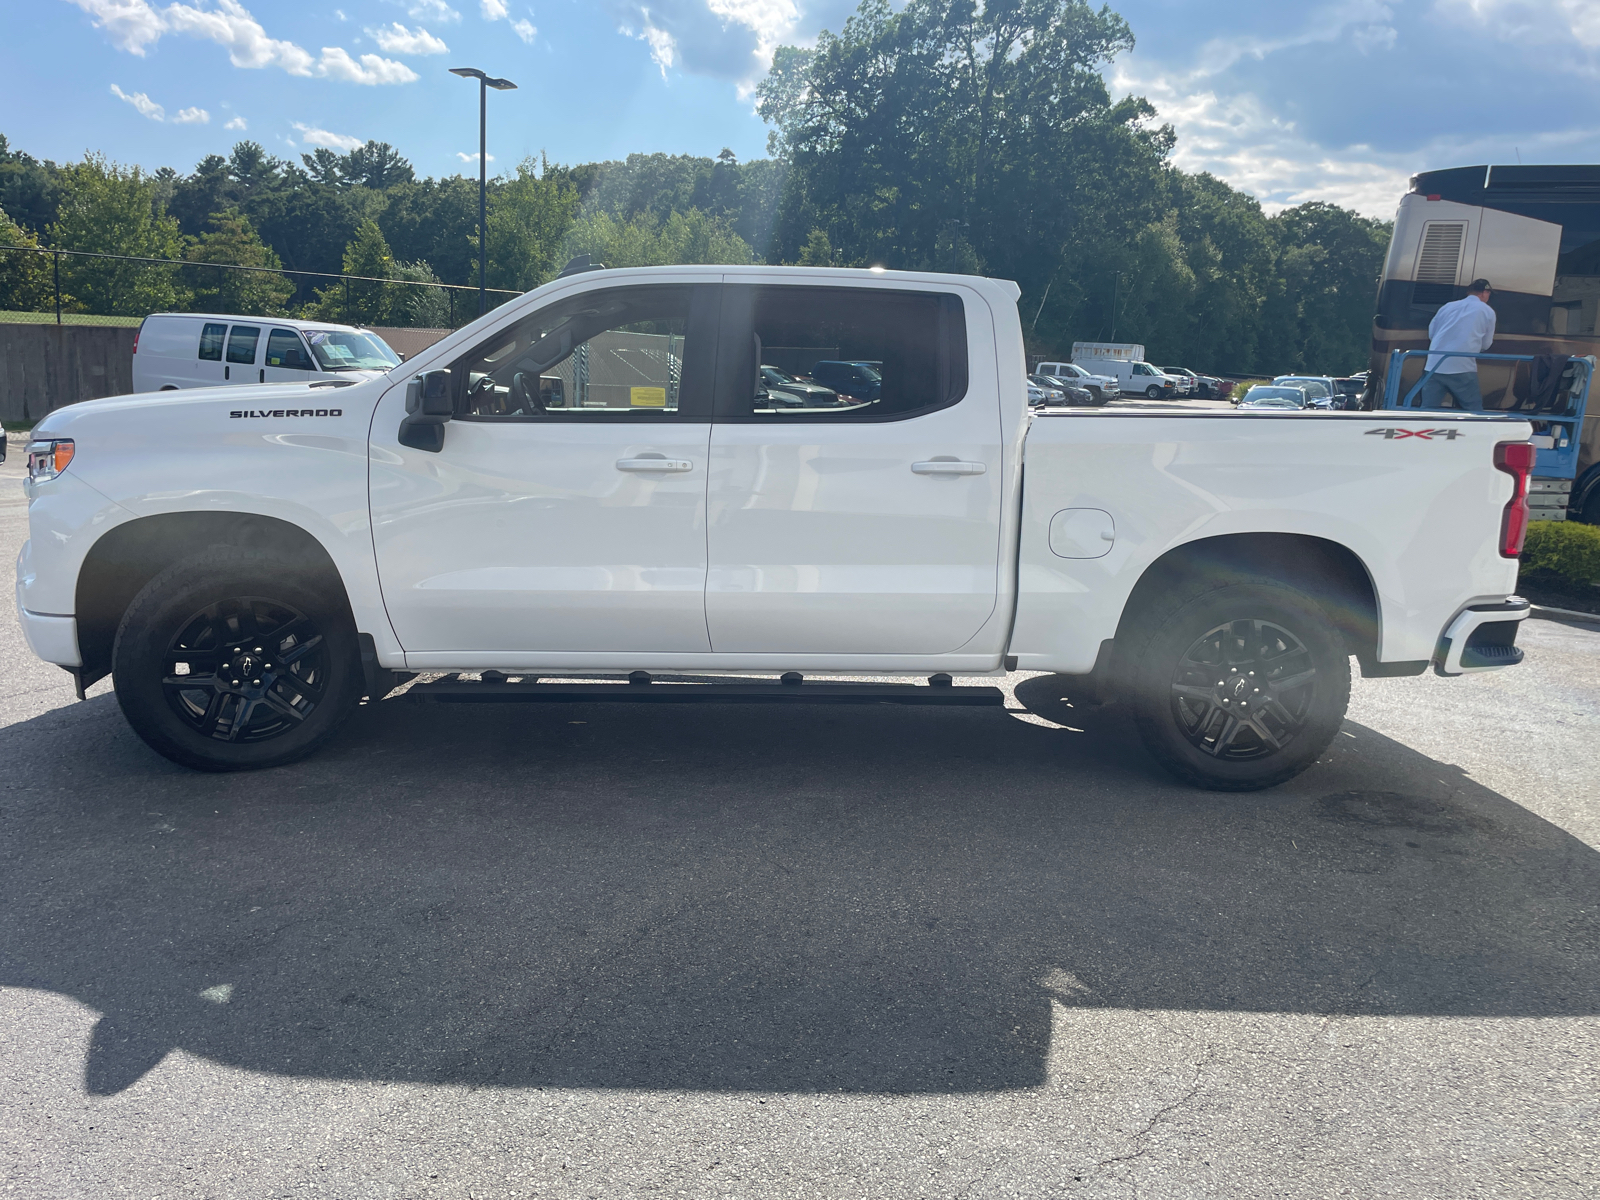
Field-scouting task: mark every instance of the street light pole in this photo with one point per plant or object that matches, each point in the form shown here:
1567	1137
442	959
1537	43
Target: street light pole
485	82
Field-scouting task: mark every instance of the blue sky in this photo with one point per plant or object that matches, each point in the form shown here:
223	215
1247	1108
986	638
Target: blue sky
1290	101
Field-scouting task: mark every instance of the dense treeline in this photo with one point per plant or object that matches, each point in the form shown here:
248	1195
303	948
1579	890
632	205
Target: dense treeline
945	136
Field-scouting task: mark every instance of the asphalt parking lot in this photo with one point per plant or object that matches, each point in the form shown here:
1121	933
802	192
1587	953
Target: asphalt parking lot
617	950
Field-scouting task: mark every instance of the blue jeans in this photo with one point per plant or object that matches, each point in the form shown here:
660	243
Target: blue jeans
1463	386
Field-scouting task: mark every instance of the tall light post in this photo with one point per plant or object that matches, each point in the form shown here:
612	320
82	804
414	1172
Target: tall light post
485	82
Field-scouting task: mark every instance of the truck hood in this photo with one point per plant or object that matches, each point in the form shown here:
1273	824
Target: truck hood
250	397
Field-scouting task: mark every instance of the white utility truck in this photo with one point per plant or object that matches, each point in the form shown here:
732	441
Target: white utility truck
1124	361
594	480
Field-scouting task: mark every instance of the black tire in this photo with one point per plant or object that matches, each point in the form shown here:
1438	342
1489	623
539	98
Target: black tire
234	660
1590	513
1153	392
1267	644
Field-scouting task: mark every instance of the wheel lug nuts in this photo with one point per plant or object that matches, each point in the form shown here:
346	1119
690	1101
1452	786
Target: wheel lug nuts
255	681
1257	692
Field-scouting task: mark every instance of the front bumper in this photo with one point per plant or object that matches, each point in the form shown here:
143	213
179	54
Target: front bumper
1482	637
52	638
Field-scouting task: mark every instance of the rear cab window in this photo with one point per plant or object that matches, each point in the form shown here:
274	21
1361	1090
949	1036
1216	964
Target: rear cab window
817	353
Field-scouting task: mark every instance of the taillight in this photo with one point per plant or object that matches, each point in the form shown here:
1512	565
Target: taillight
1516	460
136	334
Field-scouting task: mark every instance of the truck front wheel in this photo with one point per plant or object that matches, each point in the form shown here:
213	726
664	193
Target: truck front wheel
1242	687
1153	392
234	660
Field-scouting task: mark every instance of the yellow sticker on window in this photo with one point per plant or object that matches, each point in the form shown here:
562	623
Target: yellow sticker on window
647	397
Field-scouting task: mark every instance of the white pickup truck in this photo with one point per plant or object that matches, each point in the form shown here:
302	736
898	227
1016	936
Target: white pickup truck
594	479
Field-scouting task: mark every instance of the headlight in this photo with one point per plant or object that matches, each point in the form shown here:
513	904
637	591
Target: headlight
47	459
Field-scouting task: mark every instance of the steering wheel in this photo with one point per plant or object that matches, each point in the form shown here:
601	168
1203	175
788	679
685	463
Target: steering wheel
526	399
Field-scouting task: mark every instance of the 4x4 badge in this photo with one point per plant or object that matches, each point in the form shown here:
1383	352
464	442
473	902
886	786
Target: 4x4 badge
1425	434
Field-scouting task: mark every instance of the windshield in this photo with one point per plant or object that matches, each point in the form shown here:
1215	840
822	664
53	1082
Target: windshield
1278	397
867	372
773	375
1314	388
350	350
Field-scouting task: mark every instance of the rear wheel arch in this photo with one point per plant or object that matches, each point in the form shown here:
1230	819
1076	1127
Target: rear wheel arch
130	555
1330	573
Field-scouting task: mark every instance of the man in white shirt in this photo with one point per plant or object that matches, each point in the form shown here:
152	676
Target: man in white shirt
1465	325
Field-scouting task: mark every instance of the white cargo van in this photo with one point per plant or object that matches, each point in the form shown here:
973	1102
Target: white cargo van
188	350
1124	361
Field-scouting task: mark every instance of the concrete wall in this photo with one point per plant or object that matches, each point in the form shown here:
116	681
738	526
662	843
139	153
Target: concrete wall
43	367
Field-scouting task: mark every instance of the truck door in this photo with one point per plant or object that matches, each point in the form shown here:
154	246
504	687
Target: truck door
565	511
287	359
240	362
871	526
208	367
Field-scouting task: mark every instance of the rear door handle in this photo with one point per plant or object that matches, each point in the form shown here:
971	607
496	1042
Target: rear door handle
940	466
654	464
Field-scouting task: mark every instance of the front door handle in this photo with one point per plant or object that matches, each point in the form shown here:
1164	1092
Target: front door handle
948	466
654	464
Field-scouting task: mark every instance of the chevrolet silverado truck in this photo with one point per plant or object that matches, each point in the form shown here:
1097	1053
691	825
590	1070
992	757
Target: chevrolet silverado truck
593	480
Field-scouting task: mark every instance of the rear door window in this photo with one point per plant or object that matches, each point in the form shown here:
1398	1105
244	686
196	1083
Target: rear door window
211	342
242	343
839	354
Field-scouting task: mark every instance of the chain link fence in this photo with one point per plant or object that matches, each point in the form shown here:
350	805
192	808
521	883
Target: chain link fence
44	285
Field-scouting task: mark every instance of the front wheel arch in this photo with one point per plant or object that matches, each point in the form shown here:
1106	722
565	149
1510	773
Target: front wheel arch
130	555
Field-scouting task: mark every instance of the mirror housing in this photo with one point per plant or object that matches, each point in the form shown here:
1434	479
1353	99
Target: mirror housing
429	405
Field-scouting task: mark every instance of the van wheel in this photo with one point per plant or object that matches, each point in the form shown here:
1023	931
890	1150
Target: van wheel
1153	392
168	387
234	660
1242	687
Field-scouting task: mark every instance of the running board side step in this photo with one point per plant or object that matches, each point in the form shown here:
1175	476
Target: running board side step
452	689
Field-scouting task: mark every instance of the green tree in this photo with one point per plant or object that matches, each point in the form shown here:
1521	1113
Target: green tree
25	278
30	190
690	237
419	307
528	216
1329	266
111	209
366	299
232	240
818	251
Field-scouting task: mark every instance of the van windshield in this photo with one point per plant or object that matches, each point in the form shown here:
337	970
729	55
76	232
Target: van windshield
350	350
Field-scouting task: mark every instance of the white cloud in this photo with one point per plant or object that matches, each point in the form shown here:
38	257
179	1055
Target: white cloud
726	39
493	10
472	158
336	63
237	123
321	137
1531	21
397	39
145	106
134	26
1375	37
436	11
192	116
526	30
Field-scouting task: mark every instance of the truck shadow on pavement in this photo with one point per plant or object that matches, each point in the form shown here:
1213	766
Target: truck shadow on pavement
727	898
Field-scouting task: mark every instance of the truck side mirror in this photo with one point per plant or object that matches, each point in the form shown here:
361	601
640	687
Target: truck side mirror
429	405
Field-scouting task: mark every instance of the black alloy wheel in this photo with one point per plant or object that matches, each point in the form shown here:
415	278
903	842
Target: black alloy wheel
1240	686
236	659
246	669
1243	690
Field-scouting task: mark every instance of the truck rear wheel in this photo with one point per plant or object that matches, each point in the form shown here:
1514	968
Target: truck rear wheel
1242	687
233	660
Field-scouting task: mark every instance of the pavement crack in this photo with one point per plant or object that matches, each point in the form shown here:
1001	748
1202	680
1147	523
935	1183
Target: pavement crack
1141	1137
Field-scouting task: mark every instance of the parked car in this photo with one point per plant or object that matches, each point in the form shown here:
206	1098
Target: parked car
1349	390
1205	387
1319	389
858	380
788	391
1269	395
1104	388
247	571
189	350
1079	397
1036	395
1137	376
1053	393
